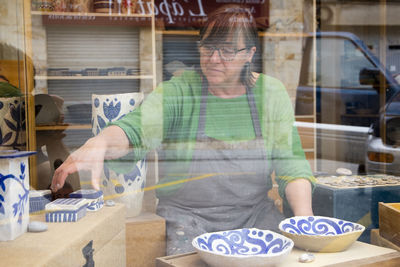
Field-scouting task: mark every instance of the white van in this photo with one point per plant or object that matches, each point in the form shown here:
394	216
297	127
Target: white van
351	88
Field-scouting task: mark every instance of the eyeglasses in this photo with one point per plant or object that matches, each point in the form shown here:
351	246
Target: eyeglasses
226	53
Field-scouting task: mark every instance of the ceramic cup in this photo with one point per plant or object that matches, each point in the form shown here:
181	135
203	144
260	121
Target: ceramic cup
45	5
61	5
124	188
12	122
81	6
14	193
103	6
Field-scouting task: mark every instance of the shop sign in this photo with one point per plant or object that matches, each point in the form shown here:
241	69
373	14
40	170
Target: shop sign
191	13
168	13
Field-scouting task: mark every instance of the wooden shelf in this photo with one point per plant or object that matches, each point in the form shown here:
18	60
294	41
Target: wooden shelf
179	32
63	127
127	77
77	14
261	34
360	115
304	116
93	19
284	34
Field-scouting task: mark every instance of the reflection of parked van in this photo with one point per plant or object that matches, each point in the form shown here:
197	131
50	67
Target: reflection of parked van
351	88
383	145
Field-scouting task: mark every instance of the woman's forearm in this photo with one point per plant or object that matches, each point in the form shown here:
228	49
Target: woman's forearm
299	195
115	141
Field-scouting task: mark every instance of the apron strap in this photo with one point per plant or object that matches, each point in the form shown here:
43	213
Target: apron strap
203	107
254	112
202	114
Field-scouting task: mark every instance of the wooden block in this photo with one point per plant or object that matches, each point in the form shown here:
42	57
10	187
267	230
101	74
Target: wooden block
145	239
116	248
62	243
307	137
13	70
310	156
378	240
389	222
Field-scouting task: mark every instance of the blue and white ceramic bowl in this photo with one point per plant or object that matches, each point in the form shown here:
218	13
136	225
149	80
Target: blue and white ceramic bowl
321	234
242	247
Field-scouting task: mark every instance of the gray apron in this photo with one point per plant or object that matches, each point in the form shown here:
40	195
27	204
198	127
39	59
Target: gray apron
235	196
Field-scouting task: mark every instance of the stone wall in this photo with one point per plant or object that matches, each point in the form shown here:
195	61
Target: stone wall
11	28
282	43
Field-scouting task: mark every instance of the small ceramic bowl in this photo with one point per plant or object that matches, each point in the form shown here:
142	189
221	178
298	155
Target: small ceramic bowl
321	234
242	247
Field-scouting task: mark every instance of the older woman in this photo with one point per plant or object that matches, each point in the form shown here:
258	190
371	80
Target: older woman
223	131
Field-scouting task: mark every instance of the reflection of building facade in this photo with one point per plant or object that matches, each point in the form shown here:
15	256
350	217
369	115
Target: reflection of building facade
283	25
375	22
77	55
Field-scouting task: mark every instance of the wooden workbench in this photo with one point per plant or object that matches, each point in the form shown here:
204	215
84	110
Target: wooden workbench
99	236
359	254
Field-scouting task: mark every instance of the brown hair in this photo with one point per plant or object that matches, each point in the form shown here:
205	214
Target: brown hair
232	21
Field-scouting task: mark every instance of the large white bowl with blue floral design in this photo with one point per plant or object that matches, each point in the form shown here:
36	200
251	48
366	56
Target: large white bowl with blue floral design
321	234
242	247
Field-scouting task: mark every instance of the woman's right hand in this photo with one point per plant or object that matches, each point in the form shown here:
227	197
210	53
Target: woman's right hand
89	157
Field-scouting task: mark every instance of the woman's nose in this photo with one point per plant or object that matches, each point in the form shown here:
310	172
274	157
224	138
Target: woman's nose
215	56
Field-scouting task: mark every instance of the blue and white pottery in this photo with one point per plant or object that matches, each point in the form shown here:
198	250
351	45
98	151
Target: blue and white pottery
93	198
125	188
109	108
321	234
38	200
14	193
66	210
243	247
12	122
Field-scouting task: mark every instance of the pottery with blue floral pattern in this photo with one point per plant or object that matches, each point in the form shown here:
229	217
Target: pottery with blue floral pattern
109	108
243	247
321	234
12	122
14	194
126	188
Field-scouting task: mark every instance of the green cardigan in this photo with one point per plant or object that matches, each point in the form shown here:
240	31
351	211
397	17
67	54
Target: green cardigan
168	118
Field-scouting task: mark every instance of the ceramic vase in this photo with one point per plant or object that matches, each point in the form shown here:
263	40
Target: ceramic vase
14	193
81	6
12	123
124	188
61	5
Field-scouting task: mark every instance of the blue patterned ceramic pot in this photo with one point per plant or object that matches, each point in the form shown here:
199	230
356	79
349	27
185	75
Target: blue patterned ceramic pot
109	108
321	234
243	247
12	122
127	188
14	194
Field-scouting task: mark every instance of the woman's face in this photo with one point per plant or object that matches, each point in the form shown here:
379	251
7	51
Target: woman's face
220	71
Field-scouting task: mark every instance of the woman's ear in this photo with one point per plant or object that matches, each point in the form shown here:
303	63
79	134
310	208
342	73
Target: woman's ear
252	51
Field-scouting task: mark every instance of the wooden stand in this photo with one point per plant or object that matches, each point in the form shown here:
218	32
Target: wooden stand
145	239
99	236
378	240
389	217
